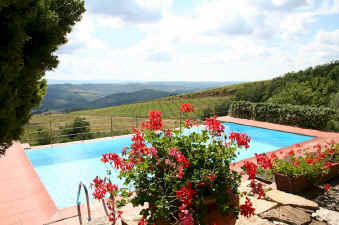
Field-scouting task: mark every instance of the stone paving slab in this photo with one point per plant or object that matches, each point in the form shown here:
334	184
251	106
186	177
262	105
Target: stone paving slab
254	220
131	214
284	198
287	214
315	222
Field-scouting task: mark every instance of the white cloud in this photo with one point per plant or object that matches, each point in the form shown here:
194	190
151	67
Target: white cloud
324	47
129	11
160	57
219	40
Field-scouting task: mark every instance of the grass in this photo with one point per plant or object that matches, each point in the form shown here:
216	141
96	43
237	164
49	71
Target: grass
115	120
220	92
168	106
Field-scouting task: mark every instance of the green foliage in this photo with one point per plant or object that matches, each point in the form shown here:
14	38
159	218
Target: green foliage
242	109
333	125
31	32
334	102
208	112
222	108
312	86
170	163
295	94
43	137
311	166
301	116
252	93
78	130
314	92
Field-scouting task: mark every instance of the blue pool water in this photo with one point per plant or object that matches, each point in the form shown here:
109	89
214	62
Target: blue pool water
62	168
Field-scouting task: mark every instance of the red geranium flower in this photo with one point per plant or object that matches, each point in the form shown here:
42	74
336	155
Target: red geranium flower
185	195
154	121
143	221
310	161
214	126
186	218
264	161
328	165
247	209
186	108
241	139
296	163
189	123
251	169
168	133
327	187
211	177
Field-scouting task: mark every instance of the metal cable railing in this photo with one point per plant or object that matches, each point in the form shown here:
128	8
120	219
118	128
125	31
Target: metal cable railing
59	131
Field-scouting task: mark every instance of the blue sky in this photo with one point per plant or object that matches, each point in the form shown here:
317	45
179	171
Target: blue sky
199	40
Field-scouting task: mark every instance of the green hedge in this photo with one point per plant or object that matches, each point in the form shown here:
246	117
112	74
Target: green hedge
295	115
242	109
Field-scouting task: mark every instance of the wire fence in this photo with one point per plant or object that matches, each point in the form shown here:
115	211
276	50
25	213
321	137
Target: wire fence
84	127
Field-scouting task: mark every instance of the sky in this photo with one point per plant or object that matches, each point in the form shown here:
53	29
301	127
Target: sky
198	40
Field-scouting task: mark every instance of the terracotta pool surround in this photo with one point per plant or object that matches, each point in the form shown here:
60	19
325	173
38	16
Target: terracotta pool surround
25	201
23	197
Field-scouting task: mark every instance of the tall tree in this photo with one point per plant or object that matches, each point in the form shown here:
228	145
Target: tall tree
31	31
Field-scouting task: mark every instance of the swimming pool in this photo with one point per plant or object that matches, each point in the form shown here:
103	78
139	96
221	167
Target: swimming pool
61	168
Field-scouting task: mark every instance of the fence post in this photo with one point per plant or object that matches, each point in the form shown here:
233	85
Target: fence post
111	126
29	133
136	120
180	115
50	132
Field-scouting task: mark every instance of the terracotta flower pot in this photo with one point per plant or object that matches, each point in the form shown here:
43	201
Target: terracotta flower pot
332	172
291	184
213	215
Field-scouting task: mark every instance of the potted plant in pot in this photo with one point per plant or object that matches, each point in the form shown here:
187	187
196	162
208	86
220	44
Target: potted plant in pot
180	176
331	151
295	173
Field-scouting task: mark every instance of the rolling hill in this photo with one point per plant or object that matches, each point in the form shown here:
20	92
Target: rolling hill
76	96
315	86
128	98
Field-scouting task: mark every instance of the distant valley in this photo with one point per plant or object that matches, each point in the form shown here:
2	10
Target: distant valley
70	96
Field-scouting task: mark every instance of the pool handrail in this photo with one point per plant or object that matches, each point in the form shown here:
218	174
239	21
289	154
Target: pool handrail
79	202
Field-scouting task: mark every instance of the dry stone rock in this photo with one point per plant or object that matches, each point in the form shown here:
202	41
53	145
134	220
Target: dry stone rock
99	221
284	198
131	214
316	222
287	214
279	222
310	211
331	217
252	220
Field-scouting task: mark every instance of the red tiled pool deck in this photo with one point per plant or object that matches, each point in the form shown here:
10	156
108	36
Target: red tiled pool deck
23	197
25	201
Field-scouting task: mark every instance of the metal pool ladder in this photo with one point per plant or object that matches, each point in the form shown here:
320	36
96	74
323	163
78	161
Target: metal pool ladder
81	185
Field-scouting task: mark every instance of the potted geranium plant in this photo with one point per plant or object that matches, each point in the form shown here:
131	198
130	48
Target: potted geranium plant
295	173
181	176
